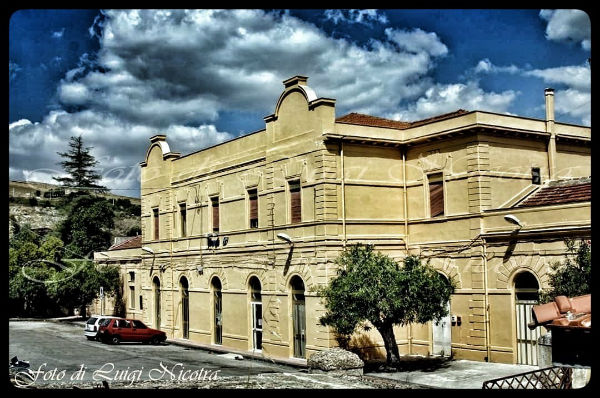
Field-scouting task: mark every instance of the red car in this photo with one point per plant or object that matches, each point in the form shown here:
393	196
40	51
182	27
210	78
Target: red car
120	329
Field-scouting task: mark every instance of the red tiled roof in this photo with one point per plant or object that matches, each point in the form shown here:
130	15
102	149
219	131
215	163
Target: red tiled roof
132	243
560	193
374	121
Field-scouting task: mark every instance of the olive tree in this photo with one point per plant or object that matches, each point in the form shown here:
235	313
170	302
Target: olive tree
373	288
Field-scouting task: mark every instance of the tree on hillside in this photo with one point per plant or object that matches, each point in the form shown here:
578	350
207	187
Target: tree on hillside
87	227
373	287
79	164
573	277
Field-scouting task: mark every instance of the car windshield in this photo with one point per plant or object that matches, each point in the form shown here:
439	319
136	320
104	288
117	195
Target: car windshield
138	324
91	321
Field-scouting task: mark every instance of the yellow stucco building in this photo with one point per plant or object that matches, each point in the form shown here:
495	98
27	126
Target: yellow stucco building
235	236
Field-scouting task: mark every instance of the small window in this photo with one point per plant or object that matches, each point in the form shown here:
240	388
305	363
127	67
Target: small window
141	303
131	296
215	214
536	177
156	223
253	199
183	219
295	202
131	276
436	195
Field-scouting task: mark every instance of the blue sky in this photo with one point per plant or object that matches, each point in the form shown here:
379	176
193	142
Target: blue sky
201	77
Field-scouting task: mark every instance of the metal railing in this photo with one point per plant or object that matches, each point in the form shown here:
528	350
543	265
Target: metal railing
548	378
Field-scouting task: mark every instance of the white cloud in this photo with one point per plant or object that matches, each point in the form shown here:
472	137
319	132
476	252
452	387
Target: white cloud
577	77
485	66
352	16
444	98
568	25
574	103
58	34
417	41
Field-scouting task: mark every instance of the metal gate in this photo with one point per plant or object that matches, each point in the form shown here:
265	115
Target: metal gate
526	338
185	309
218	318
442	335
256	325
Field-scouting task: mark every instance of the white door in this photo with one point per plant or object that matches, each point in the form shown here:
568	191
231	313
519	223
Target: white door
442	335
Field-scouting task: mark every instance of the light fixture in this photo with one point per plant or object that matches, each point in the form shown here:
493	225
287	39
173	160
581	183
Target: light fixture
147	249
285	237
512	219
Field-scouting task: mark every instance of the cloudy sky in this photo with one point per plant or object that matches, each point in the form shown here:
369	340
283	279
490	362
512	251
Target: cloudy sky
205	76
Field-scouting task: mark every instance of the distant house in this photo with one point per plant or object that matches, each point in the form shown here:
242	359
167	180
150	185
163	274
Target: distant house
235	236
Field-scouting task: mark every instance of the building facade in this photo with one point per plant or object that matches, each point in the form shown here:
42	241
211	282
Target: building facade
236	236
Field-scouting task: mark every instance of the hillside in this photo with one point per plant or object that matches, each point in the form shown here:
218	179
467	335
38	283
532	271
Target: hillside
43	207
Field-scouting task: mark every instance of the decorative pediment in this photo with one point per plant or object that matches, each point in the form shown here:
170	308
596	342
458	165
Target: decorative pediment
251	179
293	168
435	161
182	195
213	188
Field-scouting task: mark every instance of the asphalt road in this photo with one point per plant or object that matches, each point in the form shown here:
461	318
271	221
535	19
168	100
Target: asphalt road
60	353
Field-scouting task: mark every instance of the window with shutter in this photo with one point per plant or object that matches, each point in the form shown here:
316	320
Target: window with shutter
215	218
436	195
295	202
253	198
156	223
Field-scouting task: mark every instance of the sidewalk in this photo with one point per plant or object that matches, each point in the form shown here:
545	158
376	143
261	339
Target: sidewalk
453	374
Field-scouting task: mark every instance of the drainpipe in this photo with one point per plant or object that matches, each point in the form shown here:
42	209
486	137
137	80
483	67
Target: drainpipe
343	192
549	94
486	301
410	337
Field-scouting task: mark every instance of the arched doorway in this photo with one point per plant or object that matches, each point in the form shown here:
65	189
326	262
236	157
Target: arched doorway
156	285
217	311
526	288
442	332
298	316
256	313
185	308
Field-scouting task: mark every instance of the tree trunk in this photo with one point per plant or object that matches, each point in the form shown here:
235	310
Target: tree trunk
389	340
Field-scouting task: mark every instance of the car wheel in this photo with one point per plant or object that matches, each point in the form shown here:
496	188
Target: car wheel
115	339
155	340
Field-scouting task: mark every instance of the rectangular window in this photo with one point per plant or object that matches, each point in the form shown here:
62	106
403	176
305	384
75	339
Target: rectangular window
156	223
536	177
131	276
295	202
436	195
141	303
132	296
215	214
183	219
253	199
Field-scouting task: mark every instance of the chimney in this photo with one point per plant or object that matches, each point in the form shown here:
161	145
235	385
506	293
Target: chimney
549	94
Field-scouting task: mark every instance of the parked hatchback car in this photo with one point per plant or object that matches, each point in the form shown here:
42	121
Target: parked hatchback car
121	329
92	326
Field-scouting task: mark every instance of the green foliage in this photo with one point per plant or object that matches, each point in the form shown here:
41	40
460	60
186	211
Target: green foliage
87	226
79	164
373	287
573	277
78	284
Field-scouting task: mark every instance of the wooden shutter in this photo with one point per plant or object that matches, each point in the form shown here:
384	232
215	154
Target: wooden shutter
296	203
215	208
253	196
436	198
156	224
